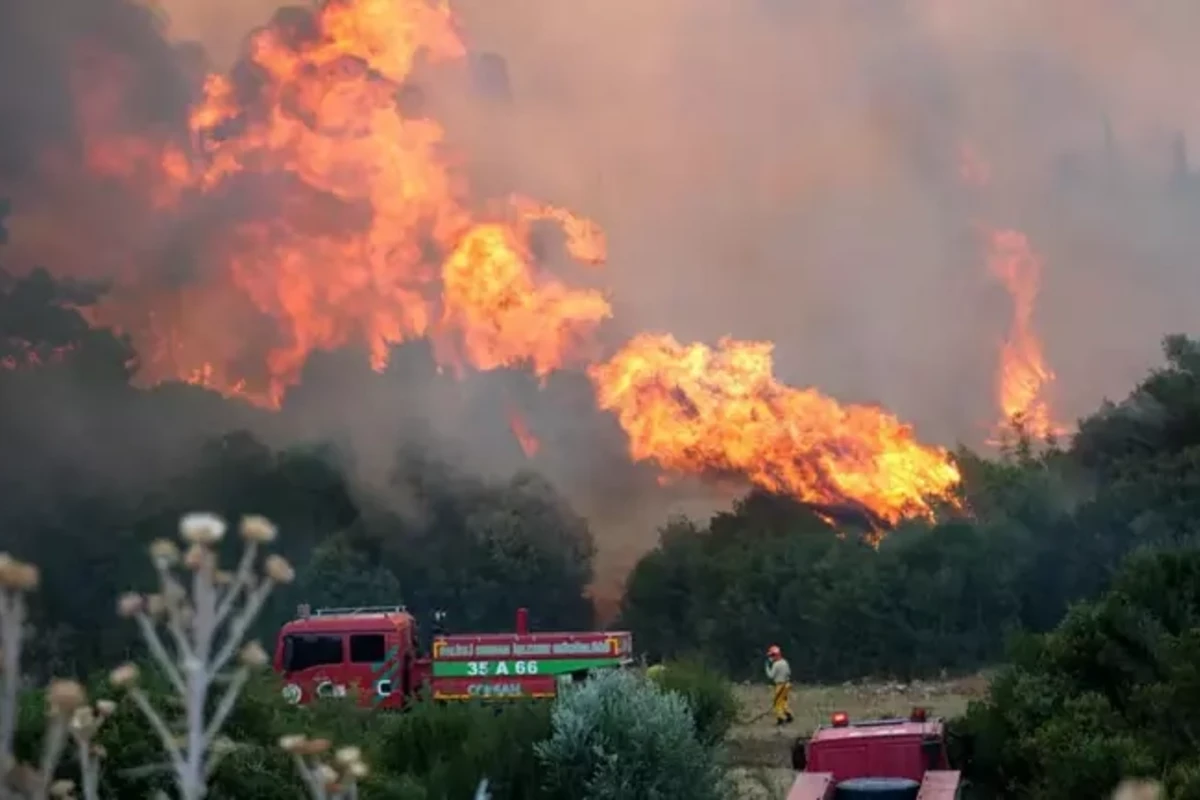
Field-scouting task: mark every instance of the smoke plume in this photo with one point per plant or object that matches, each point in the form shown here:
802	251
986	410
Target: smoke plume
805	173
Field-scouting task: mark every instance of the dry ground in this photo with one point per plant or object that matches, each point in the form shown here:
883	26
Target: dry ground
762	752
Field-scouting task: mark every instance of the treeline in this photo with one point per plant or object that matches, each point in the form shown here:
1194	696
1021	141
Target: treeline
92	468
1113	692
1048	526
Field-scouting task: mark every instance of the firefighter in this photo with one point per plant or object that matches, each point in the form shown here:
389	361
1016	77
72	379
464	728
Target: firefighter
780	674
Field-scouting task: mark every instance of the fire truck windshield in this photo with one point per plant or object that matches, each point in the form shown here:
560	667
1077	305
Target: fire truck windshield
302	652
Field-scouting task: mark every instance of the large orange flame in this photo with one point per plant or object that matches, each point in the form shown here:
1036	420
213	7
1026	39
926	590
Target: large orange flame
1023	377
319	209
370	236
697	410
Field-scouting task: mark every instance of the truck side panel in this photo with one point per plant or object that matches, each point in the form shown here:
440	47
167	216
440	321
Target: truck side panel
812	786
940	784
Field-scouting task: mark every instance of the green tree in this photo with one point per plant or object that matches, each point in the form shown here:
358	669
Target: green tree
339	575
1112	692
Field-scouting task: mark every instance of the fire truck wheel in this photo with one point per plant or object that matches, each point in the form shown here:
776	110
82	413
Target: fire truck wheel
800	754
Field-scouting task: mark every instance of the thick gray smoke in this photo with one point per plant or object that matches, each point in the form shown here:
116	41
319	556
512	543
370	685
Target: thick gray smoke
791	170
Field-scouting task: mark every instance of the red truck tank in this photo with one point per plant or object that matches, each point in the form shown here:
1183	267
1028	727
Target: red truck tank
521	664
373	653
884	759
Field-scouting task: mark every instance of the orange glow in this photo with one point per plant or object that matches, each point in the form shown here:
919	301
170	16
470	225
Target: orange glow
365	233
23	355
585	240
1023	378
520	428
307	207
698	410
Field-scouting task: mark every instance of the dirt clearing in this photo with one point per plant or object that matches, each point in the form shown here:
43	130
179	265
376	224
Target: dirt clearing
762	751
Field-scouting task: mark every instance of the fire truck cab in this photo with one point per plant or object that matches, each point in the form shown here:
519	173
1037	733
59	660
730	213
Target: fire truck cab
883	759
370	653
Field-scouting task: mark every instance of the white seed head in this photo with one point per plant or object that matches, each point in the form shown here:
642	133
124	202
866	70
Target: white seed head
17	575
326	774
202	528
1138	790
278	569
83	721
63	697
164	553
130	604
346	756
358	770
258	529
199	557
253	655
106	708
62	789
124	676
156	605
292	742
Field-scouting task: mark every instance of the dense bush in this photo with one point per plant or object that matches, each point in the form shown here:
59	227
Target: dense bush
619	736
1113	692
708	693
447	750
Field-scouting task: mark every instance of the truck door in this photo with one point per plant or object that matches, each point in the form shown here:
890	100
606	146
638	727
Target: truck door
313	666
374	667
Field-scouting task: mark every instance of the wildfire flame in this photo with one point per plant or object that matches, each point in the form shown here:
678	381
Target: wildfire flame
698	410
1023	378
586	241
320	210
520	428
370	236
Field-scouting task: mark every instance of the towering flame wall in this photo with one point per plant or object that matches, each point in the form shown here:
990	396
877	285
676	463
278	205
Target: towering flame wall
323	209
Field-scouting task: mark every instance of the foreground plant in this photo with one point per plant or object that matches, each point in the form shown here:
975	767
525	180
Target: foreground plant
71	720
1138	790
205	627
326	778
619	735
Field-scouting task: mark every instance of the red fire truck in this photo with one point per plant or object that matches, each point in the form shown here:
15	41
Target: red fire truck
884	759
374	654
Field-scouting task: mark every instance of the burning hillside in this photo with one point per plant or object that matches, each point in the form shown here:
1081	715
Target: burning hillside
351	225
312	204
696	410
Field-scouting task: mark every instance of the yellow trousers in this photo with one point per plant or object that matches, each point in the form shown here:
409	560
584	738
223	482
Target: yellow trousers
780	703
